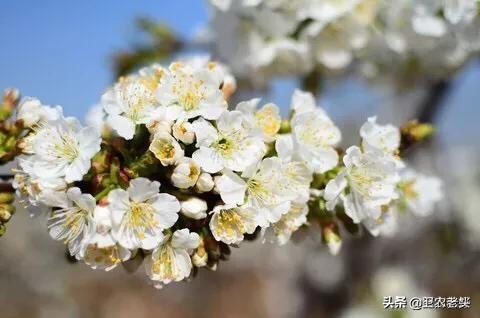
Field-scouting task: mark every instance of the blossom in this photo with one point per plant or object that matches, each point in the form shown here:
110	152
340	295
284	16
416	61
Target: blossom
371	177
281	231
101	250
229	145
105	258
312	140
170	261
194	208
141	213
420	192
33	188
185	174
102	219
457	11
383	137
31	111
72	222
64	149
190	92
130	102
166	148
266	120
259	189
229	223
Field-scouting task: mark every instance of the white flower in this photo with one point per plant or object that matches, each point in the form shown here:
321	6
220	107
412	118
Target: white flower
383	137
64	149
185	174
183	131
386	224
312	140
130	102
261	190
266	120
105	258
371	176
32	187
171	260
204	183
32	112
194	208
229	223
302	102
102	237
420	192
191	92
228	146
141	213
95	118
281	231
457	11
427	24
72	222
102	251
166	148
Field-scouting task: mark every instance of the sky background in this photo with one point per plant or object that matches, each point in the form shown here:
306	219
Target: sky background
60	52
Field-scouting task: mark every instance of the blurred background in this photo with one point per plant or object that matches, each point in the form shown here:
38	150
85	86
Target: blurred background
67	53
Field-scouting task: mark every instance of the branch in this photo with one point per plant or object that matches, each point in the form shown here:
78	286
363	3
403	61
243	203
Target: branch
431	105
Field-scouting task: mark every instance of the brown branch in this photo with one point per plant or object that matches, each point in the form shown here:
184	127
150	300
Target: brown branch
433	102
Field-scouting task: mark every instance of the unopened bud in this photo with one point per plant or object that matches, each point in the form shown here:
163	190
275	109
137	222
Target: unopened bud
6	197
6	213
194	208
205	183
416	131
200	257
185	174
183	131
332	238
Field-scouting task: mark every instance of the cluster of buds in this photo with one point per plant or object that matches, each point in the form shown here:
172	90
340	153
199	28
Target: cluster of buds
11	131
169	174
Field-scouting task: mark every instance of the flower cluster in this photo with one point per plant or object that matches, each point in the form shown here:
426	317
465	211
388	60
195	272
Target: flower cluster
10	131
174	176
385	37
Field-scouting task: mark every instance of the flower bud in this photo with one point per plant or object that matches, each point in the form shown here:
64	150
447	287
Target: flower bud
185	174
332	238
204	183
3	228
194	208
5	213
200	257
183	131
6	197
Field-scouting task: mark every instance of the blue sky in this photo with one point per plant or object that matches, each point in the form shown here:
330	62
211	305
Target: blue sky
59	51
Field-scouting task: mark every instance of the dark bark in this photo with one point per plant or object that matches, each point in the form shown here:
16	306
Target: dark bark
434	101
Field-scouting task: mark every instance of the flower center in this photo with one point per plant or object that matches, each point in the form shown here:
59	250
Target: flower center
189	91
164	265
66	147
141	217
230	222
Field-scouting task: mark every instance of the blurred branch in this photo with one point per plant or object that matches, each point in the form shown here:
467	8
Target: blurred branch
312	82
163	42
434	100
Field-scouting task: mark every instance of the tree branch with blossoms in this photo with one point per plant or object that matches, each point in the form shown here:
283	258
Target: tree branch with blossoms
169	173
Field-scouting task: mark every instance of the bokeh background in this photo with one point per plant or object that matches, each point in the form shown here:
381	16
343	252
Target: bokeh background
62	52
